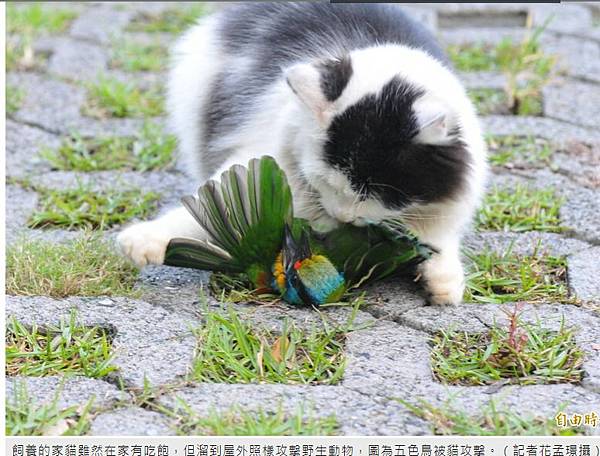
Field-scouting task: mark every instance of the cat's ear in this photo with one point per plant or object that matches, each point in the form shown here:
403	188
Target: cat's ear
433	120
319	84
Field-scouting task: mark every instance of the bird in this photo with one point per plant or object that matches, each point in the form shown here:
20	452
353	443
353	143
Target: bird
249	221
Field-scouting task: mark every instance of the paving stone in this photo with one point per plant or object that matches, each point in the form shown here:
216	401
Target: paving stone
131	421
490	36
483	80
77	61
173	288
584	280
100	23
572	101
55	107
552	129
560	18
149	343
357	414
19	206
578	57
23	144
524	243
71	391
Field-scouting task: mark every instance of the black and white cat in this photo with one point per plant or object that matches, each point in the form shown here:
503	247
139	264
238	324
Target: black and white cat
356	102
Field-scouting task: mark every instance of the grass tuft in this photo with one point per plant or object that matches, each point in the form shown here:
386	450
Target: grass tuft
489	101
521	209
498	279
36	18
235	288
87	266
525	66
524	353
68	348
232	351
150	150
24	417
518	151
14	98
240	422
172	20
133	56
110	97
492	420
84	208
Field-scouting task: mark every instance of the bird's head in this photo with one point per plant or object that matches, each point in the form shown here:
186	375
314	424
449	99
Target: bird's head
304	277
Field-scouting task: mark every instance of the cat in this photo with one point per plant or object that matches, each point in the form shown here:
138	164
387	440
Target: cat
358	104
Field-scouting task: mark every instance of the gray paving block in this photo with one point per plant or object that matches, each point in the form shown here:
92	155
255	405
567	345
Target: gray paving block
579	57
100	23
20	203
482	80
524	243
23	145
69	391
552	129
584	274
560	18
131	421
150	342
175	289
77	60
56	107
576	102
357	414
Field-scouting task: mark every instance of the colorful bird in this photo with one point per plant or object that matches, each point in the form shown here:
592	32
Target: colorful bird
251	229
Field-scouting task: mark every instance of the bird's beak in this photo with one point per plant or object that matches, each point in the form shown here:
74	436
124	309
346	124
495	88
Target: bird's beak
294	251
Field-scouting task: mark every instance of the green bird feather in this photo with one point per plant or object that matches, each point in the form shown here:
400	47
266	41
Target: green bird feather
249	219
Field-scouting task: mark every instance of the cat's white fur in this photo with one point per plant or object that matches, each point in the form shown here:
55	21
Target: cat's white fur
292	127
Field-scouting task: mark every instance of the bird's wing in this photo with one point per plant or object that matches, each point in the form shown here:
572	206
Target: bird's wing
244	216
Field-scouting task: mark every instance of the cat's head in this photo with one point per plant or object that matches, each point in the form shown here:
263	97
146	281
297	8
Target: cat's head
390	128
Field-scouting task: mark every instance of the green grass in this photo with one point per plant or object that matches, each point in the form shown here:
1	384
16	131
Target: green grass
232	351
489	101
473	57
520	209
492	420
498	279
110	97
82	207
523	353
232	288
150	150
87	266
37	18
21	56
243	423
67	349
133	56
14	98
172	20
24	417
525	66
519	151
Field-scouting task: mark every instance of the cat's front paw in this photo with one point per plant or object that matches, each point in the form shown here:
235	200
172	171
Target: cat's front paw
444	281
144	243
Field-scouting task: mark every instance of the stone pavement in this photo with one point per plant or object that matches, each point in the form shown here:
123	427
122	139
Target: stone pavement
390	357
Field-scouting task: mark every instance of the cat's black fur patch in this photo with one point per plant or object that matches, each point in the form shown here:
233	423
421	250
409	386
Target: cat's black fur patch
274	35
372	143
335	75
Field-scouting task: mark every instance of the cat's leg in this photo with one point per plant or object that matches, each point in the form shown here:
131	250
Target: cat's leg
146	242
442	274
